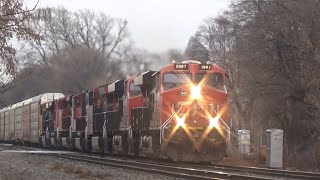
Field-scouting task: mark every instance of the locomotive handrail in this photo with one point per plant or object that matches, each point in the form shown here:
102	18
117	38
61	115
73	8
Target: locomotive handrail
99	113
112	111
66	117
170	118
166	123
223	123
104	133
141	107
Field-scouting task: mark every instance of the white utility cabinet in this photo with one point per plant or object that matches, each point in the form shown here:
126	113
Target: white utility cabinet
274	148
244	141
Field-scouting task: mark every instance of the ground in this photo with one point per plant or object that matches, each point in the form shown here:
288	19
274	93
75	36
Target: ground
17	165
241	162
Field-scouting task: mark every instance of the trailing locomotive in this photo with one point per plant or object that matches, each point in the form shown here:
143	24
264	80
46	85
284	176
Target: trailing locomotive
177	112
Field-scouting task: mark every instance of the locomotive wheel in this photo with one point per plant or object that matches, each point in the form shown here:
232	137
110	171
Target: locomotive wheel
87	145
136	140
125	145
58	143
70	144
108	146
132	144
101	145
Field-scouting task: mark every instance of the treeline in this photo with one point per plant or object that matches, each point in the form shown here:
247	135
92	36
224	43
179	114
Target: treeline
70	52
74	51
271	51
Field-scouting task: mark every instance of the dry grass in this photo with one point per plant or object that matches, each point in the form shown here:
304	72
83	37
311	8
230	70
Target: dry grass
102	176
82	173
57	166
78	170
69	169
85	174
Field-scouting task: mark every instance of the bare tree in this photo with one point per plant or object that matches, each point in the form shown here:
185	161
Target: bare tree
79	68
74	70
62	28
217	40
13	16
196	50
13	26
270	50
280	45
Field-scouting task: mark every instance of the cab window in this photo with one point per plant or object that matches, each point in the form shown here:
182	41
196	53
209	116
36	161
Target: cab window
134	90
210	79
175	80
77	101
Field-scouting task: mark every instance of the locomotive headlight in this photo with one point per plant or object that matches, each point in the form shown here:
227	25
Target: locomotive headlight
213	122
180	121
195	92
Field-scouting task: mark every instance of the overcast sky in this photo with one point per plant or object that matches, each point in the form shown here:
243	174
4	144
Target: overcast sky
155	25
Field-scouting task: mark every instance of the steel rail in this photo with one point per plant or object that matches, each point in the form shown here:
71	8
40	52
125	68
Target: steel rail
183	170
268	172
253	171
169	170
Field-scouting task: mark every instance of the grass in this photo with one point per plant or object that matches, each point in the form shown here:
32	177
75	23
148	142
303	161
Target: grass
57	166
78	171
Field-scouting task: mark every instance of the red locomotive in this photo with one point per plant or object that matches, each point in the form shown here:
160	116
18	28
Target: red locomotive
177	112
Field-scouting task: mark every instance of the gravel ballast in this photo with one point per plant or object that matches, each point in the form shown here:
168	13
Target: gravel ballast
16	165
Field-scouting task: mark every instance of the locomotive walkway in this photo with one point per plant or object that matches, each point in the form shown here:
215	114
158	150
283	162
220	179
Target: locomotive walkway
180	170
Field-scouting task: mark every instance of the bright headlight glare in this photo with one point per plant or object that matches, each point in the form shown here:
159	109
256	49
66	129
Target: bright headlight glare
180	121
213	122
195	92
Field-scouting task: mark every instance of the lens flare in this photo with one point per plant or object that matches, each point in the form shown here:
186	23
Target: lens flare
180	121
195	92
213	122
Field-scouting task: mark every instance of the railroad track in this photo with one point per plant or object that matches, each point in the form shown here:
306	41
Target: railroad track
255	171
169	170
182	170
272	173
150	167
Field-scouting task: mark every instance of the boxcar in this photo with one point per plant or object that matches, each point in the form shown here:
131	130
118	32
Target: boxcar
12	123
18	121
6	123
26	120
2	127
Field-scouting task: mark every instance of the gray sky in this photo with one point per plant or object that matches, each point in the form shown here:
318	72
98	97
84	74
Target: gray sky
155	25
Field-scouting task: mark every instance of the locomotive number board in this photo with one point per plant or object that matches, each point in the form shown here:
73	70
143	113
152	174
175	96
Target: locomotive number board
181	66
205	67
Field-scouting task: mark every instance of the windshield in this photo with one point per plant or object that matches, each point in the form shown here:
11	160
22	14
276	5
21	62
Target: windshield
175	80
213	80
134	90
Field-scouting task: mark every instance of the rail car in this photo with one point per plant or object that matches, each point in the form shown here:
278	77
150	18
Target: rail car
22	122
177	112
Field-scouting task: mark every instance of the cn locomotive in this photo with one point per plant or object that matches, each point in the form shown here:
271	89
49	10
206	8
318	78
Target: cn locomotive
178	112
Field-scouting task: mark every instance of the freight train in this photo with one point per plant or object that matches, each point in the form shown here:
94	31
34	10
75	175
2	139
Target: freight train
178	112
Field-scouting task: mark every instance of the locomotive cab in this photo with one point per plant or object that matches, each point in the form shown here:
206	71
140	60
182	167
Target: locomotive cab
193	106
